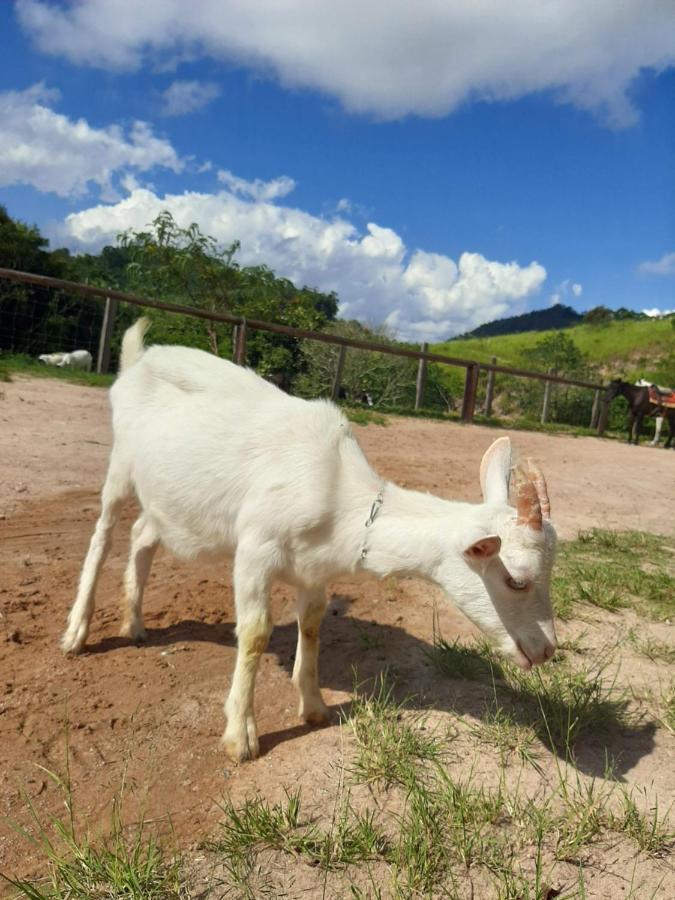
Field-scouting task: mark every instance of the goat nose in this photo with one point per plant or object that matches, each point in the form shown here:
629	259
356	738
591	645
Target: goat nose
549	650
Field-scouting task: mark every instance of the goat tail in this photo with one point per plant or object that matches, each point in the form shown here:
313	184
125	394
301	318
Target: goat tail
132	343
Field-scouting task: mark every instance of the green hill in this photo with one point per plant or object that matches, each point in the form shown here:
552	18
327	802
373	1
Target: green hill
628	348
558	316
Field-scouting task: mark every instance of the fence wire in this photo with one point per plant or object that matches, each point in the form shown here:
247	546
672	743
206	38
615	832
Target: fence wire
36	320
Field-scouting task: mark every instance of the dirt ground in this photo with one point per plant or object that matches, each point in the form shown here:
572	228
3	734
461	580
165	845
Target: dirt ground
151	716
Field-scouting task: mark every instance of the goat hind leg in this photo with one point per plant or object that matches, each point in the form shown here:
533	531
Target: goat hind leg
144	542
115	491
311	610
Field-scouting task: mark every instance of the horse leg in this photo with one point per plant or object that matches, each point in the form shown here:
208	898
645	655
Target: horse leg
657	430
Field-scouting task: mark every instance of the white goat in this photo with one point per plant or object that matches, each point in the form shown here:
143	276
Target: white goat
224	462
78	359
51	359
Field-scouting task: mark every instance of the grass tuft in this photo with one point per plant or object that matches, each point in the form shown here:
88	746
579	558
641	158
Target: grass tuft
612	570
132	865
389	740
649	830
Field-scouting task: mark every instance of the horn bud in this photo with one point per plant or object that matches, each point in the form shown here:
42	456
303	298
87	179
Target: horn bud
528	505
537	477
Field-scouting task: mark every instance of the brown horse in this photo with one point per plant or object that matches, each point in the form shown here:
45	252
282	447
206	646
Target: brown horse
640	405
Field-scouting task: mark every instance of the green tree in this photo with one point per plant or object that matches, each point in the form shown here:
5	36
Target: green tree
36	320
556	351
389	380
569	405
599	315
182	265
187	267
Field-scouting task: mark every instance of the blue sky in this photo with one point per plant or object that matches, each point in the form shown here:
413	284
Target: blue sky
438	166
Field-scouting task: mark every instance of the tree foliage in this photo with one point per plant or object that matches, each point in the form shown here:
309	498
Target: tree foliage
389	380
30	316
185	266
165	261
568	405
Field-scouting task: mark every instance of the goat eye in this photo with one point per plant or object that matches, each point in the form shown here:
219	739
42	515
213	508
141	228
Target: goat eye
516	585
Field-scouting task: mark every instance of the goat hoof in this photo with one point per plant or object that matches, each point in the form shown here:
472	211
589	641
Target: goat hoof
241	747
319	715
240	751
135	633
73	642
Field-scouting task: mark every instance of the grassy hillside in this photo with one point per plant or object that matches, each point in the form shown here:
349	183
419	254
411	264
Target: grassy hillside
644	348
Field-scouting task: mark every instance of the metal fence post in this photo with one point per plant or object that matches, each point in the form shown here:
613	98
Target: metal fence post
109	313
595	412
490	389
240	344
470	388
547	399
421	378
337	376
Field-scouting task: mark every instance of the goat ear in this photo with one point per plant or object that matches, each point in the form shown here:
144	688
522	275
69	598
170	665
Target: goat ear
495	469
483	550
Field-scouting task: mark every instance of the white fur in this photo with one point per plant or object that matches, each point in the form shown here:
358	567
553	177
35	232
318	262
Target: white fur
51	359
78	359
223	462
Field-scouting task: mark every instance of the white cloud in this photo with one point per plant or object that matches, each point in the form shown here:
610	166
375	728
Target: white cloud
379	280
388	58
256	189
183	97
663	266
656	313
53	153
560	294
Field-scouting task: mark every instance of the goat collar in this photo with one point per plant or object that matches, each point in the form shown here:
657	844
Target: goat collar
374	510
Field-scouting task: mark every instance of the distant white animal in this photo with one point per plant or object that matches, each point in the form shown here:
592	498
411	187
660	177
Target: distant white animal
224	462
51	359
78	359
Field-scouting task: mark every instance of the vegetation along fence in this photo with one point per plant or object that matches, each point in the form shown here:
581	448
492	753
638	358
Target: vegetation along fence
102	323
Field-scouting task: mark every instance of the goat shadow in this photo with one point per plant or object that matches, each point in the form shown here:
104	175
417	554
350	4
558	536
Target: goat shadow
363	649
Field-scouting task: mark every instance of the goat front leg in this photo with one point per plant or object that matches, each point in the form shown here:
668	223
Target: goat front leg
254	627
311	610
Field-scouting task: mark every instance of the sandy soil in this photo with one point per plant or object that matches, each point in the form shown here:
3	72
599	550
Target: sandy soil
151	716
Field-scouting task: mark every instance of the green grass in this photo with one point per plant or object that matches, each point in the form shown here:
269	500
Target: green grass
668	703
656	651
558	703
501	729
633	344
389	741
649	831
259	824
612	570
131	864
365	416
19	364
